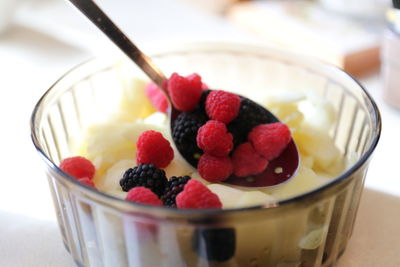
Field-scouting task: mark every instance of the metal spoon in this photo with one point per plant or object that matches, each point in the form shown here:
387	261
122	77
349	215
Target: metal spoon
279	170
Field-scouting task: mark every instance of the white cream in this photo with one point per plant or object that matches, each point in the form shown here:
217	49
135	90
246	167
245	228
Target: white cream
111	146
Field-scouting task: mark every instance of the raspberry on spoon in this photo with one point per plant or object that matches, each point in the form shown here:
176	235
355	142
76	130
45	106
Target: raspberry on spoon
270	139
185	92
214	139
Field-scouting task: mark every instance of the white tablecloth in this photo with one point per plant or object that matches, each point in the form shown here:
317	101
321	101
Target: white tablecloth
42	45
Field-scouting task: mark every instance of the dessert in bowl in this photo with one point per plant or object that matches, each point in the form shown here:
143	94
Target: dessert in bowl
99	109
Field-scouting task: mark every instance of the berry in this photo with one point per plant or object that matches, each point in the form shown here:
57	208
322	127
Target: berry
87	181
184	132
201	107
185	92
153	148
214	169
246	161
195	195
143	195
250	115
214	139
146	175
204	87
78	167
157	97
222	106
270	139
174	187
214	244
196	76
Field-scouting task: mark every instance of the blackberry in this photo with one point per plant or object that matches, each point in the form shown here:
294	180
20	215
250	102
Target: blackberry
202	103
146	175
215	244
173	188
184	132
250	115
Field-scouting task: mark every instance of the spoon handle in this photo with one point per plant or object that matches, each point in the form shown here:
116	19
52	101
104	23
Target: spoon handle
93	12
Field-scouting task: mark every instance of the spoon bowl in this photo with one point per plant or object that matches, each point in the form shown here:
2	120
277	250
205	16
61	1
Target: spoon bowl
278	171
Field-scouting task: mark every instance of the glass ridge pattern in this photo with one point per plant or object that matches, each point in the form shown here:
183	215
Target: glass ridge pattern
99	230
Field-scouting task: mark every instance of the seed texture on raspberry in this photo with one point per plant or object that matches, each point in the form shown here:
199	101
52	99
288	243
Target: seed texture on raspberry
153	148
214	169
250	115
157	97
78	167
213	138
246	161
184	132
270	139
146	175
222	106
185	92
195	195
143	195
174	187
87	181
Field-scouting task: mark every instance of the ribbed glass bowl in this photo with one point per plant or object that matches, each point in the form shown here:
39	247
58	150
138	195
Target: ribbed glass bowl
311	229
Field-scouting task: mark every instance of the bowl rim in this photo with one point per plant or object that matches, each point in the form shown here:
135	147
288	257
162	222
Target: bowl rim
192	46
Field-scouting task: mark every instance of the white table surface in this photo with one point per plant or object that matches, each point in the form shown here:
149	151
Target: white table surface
41	45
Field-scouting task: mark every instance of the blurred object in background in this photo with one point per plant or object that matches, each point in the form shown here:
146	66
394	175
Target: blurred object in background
367	9
7	10
152	22
308	28
211	6
391	56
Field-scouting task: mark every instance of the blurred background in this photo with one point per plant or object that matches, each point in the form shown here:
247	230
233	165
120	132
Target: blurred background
42	39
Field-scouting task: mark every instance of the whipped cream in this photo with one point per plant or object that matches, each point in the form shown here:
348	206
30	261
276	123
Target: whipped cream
110	145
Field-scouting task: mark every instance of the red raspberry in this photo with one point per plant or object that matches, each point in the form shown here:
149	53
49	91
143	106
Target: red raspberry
157	97
214	169
222	106
213	138
246	161
87	182
196	76
185	92
153	148
195	195
270	139
143	195
78	167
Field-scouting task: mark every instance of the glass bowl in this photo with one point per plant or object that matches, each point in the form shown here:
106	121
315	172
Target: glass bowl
311	229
